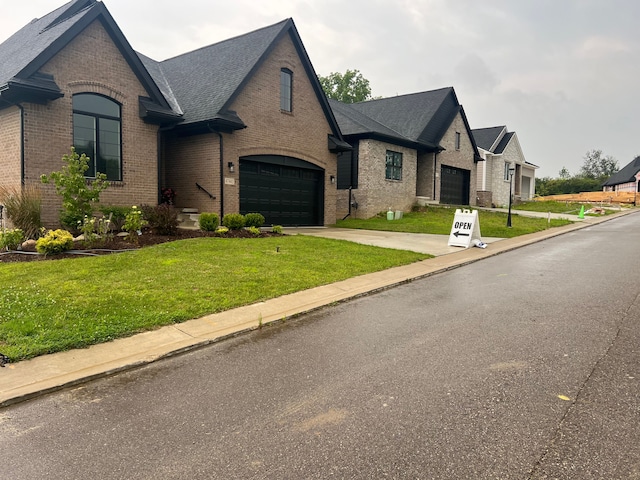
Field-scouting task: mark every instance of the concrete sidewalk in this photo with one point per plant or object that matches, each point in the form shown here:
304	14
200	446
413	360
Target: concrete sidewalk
48	373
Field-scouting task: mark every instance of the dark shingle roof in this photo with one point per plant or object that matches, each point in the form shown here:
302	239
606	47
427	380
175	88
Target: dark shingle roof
205	80
199	85
626	174
486	137
503	143
32	41
353	122
24	53
422	117
418	120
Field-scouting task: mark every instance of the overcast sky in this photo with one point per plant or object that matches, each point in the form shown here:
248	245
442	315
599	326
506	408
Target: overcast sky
563	74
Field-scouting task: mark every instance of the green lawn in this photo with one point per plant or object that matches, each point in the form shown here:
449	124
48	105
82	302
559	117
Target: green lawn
438	220
570	208
52	306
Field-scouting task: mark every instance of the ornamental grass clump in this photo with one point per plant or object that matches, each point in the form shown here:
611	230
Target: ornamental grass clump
55	241
209	221
22	206
11	239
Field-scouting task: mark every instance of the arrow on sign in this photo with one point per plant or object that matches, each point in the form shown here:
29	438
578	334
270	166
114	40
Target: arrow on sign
458	234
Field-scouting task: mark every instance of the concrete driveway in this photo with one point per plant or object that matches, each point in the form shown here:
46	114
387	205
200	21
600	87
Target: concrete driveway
416	242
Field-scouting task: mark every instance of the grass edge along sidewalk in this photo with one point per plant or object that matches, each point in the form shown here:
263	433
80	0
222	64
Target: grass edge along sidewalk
65	304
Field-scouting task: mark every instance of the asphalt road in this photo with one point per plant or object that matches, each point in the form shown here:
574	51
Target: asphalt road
524	365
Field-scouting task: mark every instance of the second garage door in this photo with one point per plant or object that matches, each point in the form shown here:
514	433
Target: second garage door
287	191
454	186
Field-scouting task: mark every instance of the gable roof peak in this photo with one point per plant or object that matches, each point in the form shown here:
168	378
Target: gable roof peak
281	23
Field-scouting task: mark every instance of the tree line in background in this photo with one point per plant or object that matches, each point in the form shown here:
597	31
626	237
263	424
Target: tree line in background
595	170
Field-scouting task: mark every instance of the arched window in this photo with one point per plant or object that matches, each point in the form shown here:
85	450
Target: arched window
97	133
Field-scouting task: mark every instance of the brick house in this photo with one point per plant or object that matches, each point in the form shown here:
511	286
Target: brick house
239	126
504	162
408	149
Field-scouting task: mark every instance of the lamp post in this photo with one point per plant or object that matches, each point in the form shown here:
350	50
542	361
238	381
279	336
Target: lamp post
511	171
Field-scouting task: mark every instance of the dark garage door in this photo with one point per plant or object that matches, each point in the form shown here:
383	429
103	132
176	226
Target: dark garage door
287	191
454	186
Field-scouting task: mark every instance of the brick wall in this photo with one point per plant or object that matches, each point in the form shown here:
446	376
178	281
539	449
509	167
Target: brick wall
91	63
375	193
425	185
301	133
190	160
462	158
10	147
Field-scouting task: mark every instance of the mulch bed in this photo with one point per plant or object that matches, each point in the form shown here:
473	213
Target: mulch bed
116	244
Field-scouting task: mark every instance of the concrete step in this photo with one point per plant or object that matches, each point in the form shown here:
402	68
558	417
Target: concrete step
189	218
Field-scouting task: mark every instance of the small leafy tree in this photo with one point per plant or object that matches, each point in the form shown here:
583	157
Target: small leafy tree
598	166
350	87
77	192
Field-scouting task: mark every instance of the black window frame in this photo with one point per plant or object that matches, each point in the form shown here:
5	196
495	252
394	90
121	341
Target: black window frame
393	166
286	90
100	119
457	140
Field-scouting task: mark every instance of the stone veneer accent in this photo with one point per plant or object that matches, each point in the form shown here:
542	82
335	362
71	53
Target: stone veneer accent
375	194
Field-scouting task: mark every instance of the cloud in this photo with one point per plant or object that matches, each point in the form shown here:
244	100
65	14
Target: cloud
597	47
474	74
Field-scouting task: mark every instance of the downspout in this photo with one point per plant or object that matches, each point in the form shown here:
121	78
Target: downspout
435	173
221	170
22	166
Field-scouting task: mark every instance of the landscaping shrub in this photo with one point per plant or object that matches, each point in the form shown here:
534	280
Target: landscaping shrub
133	223
11	239
253	220
163	218
77	192
209	221
22	205
118	214
276	229
222	230
96	231
55	241
255	231
233	221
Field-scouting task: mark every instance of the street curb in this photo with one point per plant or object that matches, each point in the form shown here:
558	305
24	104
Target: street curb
199	333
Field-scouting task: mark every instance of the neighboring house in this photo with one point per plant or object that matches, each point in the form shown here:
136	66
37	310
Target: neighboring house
626	180
504	165
239	126
408	149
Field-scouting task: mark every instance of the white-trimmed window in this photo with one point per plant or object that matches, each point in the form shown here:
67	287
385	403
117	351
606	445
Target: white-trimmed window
507	174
